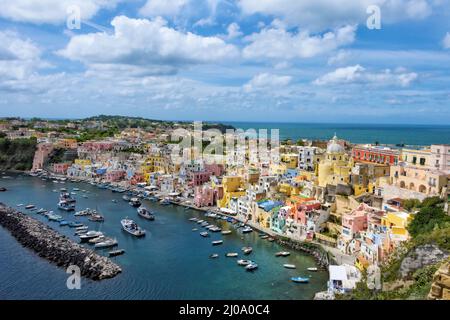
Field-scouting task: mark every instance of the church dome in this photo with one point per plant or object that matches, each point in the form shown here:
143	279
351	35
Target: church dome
334	146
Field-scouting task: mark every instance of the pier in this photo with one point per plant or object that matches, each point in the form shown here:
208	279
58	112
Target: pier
55	247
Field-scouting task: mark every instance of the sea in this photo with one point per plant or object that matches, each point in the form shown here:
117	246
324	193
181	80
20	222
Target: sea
386	134
170	262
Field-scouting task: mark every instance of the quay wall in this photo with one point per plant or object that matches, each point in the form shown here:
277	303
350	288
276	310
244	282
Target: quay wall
55	247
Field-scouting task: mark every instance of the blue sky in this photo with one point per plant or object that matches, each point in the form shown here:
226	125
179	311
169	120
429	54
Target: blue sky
230	60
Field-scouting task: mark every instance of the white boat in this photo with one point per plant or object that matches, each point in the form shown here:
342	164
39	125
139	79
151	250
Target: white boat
282	254
90	235
313	269
146	214
97	240
243	262
252	266
30	206
225	232
204	234
132	228
193	219
247	250
232	254
106	244
217	242
247	229
289	266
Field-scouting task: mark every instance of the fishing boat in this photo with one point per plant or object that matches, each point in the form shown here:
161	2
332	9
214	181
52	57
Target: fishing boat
106	244
146	214
30	206
132	228
96	218
117	252
243	262
204	234
252	266
135	202
300	279
282	254
214	256
232	254
90	235
217	242
247	229
225	232
247	250
313	269
289	266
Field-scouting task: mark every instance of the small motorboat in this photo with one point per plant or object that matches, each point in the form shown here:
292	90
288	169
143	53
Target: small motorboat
97	240
271	239
193	219
41	211
30	206
289	266
96	218
252	266
2	189
282	254
146	214
204	234
90	235
247	230
300	279
200	221
225	232
82	227
63	223
265	236
232	254
217	242
247	250
20	205
243	262
194	229
106	244
215	229
135	202
126	198
117	252
75	224
214	256
132	228
54	217
313	269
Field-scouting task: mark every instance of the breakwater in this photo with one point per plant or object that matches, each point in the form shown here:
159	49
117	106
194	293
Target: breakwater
55	247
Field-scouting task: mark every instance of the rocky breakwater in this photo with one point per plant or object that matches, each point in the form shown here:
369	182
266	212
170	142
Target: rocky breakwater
55	247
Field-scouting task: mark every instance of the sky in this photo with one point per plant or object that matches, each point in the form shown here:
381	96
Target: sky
227	60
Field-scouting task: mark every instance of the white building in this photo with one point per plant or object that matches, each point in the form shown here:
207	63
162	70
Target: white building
306	158
440	157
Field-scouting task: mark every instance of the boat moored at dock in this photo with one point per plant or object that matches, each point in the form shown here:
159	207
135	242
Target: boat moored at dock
132	228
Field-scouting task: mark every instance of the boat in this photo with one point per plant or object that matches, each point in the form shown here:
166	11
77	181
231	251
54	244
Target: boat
96	218
83	213
193	219
30	206
132	228
200	221
215	229
106	244
289	266
252	266
82	228
232	254
225	232
282	254
247	229
90	235
114	200
54	217
2	189
243	262
135	202
76	189
75	224
270	239
20	205
97	240
205	224
313	269
41	211
146	214
126	198
63	223
194	229
165	202
217	242
204	234
247	250
117	252
214	256
300	279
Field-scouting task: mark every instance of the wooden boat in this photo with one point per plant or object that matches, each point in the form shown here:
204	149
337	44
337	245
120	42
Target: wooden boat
289	266
300	279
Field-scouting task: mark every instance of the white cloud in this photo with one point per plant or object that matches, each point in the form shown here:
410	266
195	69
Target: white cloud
339	58
170	8
323	14
277	43
358	74
446	41
50	11
233	31
265	81
148	44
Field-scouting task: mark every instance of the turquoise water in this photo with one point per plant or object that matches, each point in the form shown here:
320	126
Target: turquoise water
171	262
357	133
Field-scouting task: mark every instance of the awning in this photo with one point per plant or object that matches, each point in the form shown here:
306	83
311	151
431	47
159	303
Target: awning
338	273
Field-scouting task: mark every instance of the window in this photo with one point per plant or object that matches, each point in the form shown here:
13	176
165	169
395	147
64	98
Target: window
422	161
414	161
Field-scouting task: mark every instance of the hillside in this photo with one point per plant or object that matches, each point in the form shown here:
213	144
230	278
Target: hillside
17	154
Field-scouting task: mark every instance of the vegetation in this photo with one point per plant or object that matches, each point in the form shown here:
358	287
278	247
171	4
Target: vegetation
17	154
96	134
430	217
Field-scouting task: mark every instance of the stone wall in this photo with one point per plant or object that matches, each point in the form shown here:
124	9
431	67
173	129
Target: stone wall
440	289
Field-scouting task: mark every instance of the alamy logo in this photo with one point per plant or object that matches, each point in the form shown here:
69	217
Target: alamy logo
74	280
374	20
73	18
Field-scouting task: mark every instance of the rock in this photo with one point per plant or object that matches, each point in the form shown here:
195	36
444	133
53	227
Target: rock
56	248
420	257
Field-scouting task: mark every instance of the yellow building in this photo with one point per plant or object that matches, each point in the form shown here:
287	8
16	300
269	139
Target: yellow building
397	223
336	165
233	186
278	169
420	158
83	162
290	160
288	189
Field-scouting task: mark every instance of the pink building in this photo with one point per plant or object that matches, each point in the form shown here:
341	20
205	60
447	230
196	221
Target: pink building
61	168
204	196
199	178
42	152
115	175
357	220
215	169
304	208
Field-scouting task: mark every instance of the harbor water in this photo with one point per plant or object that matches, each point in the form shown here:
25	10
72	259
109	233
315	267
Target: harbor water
170	262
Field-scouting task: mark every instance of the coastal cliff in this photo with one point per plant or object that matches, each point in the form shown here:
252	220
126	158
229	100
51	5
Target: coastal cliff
54	247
